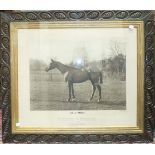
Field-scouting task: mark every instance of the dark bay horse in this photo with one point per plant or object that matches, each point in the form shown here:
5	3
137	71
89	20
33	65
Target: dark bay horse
73	75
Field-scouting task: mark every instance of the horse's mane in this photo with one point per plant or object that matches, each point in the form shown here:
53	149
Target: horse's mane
70	67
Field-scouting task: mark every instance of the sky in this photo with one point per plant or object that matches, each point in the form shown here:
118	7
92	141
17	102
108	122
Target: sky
64	45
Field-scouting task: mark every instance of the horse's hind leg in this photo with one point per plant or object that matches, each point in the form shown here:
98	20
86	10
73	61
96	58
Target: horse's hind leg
99	90
69	87
94	88
72	89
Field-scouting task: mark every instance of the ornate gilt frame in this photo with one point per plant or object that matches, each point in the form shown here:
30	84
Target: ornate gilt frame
145	134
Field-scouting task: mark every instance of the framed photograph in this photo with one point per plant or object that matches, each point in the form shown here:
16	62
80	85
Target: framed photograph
77	76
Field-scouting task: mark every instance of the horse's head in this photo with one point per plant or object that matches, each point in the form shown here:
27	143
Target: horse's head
51	66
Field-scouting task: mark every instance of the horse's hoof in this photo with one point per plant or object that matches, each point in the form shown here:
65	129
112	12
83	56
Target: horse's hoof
98	100
74	99
69	100
90	100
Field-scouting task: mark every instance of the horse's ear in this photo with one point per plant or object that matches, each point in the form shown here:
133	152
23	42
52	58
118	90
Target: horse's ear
52	60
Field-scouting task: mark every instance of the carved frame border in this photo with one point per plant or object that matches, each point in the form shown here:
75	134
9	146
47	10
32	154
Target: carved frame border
88	15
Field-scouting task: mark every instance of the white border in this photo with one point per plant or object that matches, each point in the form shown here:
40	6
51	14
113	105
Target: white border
90	118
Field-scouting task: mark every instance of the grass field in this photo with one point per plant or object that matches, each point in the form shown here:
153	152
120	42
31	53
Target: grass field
47	94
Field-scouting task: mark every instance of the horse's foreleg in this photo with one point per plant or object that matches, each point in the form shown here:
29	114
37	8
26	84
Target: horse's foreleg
99	90
94	88
72	91
69	87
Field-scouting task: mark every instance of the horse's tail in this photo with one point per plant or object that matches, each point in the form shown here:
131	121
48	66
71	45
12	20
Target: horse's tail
101	81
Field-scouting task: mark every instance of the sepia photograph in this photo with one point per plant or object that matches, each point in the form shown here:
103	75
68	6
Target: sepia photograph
77	69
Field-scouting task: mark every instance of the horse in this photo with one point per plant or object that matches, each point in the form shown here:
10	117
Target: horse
74	75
